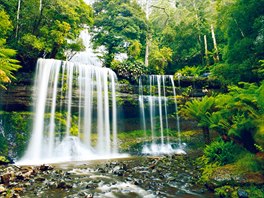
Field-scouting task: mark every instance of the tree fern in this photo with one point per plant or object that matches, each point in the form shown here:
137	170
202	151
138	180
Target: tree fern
7	64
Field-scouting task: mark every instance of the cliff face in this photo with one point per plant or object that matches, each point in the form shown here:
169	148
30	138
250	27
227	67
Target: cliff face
16	98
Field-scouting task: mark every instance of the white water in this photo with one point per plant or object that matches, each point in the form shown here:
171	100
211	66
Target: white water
75	113
88	56
154	112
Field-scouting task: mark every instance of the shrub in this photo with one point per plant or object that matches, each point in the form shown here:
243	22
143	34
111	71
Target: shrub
130	70
221	152
225	191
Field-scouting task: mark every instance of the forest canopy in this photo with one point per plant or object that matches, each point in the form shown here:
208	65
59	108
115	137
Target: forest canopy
221	37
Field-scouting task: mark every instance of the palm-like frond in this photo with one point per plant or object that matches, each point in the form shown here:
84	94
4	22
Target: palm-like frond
7	64
199	110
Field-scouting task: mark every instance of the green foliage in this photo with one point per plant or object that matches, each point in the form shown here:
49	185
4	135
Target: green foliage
3	159
47	32
159	58
5	23
134	49
221	152
120	27
181	28
238	114
255	192
130	70
226	191
16	131
243	29
207	170
248	163
7	62
199	110
190	71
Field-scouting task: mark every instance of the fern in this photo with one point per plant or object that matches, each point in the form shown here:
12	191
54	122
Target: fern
7	64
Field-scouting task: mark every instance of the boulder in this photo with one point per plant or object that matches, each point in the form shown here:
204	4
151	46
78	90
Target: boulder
229	175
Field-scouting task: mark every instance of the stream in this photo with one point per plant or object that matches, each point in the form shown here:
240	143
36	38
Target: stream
145	176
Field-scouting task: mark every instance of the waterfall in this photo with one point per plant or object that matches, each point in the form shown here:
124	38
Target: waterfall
155	94
88	56
74	113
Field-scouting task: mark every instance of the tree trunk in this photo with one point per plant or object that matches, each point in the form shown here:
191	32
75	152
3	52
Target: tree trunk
216	56
38	21
40	6
147	36
147	52
206	135
18	16
242	33
201	48
206	50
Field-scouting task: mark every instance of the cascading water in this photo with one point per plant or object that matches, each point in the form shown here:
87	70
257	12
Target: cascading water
75	113
88	56
153	101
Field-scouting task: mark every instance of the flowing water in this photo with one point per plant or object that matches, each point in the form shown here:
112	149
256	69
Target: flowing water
154	98
75	113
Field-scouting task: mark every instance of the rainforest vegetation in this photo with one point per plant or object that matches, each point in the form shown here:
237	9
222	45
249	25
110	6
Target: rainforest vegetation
218	40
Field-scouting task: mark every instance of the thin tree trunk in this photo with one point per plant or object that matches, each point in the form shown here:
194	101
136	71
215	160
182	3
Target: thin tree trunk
206	50
147	52
199	31
38	21
18	16
40	6
206	135
242	33
201	48
216	55
147	36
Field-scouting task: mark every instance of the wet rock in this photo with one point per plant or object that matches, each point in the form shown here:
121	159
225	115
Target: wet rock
92	185
6	178
119	173
253	178
89	196
171	179
116	168
101	170
63	184
138	181
242	193
2	189
44	167
18	189
228	174
40	179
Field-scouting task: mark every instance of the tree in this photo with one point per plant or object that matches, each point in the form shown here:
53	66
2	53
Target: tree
238	113
180	25
46	27
118	26
242	24
7	64
159	58
200	110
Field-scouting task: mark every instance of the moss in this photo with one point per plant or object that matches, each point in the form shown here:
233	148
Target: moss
3	160
207	172
255	192
226	191
247	163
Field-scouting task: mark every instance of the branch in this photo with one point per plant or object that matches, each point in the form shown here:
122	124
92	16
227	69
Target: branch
164	10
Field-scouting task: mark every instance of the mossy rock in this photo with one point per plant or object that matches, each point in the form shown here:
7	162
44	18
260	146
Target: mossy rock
231	175
4	160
